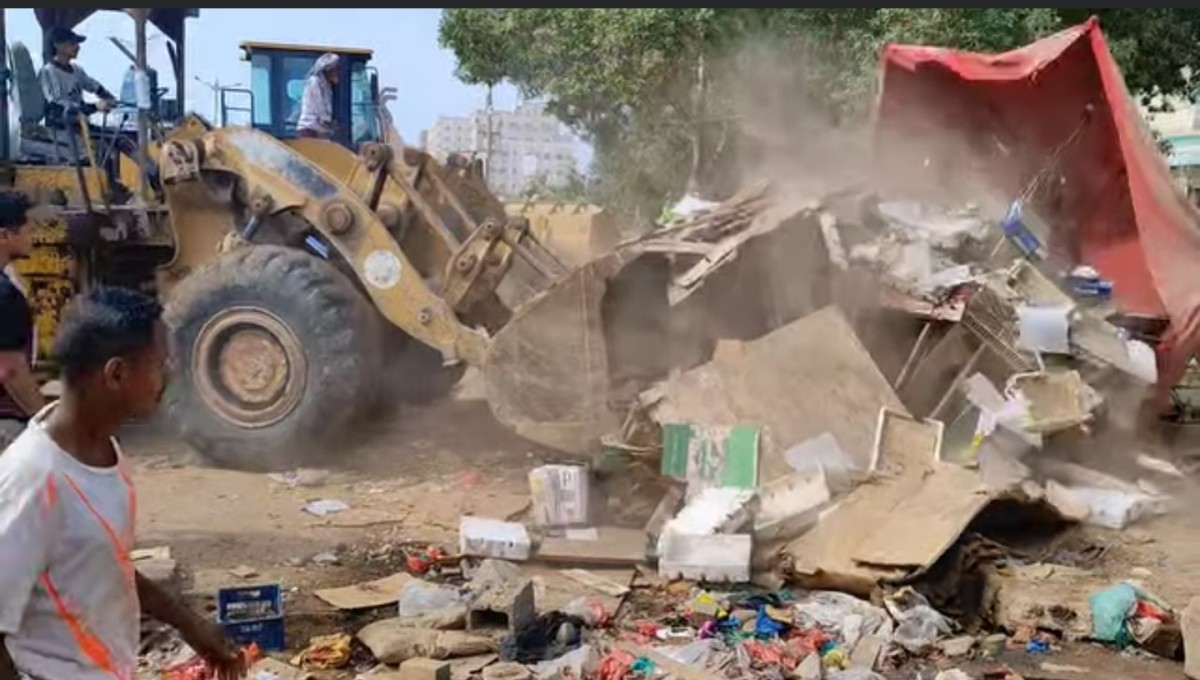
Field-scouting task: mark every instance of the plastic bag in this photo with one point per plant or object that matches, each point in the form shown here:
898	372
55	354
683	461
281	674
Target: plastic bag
590	609
919	624
692	654
1111	608
428	605
839	613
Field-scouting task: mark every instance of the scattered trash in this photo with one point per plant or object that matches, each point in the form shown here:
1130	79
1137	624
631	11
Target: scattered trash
391	642
197	668
325	507
548	636
711	456
791	458
420	561
304	477
484	537
326	559
367	595
918	624
1124	614
429	605
324	652
560	495
244	572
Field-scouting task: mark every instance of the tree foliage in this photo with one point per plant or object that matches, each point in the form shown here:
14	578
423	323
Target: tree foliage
654	90
574	190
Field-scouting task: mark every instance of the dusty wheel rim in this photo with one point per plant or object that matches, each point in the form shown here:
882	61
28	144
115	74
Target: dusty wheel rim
249	367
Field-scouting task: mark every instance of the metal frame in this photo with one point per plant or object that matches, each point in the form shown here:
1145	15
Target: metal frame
343	99
172	22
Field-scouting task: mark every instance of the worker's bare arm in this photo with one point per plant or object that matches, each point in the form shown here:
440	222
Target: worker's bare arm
204	636
8	671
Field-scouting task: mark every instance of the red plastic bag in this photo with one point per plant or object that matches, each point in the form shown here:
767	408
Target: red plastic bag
196	668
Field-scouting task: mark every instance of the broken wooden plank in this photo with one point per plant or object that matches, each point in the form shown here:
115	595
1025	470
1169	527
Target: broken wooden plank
613	546
596	582
928	522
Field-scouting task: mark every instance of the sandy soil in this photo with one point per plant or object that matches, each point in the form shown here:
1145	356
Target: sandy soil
410	479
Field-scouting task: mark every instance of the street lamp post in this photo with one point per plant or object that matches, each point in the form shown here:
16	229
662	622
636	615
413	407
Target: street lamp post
216	88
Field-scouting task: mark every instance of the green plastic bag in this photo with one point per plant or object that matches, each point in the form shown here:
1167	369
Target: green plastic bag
1111	608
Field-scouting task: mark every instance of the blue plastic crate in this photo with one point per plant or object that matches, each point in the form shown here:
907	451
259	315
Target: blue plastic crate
253	614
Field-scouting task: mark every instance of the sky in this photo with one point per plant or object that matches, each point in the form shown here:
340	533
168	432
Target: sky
405	42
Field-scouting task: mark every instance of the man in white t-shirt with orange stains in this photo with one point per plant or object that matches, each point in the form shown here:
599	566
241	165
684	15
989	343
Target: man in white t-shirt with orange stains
70	598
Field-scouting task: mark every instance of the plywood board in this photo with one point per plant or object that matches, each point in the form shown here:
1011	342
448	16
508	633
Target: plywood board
613	547
887	528
823	558
597	582
801	380
367	595
928	522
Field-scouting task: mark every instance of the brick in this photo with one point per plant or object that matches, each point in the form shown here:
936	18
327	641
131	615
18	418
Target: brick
424	669
510	604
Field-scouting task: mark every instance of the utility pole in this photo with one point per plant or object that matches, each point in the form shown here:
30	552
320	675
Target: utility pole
142	81
4	122
487	166
216	87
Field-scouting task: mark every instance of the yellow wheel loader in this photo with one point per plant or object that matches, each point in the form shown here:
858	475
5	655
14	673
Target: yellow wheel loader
302	275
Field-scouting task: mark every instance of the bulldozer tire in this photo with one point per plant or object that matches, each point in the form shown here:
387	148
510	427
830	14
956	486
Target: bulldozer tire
276	352
414	371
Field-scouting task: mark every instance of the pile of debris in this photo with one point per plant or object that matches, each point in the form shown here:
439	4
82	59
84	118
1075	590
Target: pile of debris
830	510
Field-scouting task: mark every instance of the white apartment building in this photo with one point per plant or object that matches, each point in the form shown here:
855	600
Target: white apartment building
1181	127
526	143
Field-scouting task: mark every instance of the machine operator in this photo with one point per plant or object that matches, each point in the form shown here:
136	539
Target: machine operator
63	82
316	105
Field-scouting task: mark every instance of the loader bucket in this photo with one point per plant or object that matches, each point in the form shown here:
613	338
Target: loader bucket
569	363
546	374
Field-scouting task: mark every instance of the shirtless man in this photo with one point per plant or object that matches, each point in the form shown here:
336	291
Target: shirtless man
70	597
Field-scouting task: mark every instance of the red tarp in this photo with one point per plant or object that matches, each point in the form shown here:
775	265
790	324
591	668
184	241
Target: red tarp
1115	208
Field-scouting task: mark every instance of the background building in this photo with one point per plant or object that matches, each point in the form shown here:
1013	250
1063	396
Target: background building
1181	127
526	143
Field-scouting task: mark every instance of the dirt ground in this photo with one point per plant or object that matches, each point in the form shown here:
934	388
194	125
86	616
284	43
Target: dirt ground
411	478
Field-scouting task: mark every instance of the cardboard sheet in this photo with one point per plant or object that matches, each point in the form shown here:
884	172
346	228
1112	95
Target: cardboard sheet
801	380
366	595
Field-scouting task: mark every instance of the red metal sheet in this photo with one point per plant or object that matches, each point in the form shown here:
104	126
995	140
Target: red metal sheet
1116	208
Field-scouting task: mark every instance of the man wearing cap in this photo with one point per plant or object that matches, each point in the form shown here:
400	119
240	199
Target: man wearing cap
20	398
63	83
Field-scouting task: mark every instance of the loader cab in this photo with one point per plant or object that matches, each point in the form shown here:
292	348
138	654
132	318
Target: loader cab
277	79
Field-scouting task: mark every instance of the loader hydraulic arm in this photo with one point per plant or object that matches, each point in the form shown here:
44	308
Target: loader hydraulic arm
279	180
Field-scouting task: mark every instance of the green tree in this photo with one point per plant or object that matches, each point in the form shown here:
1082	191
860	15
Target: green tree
656	91
574	189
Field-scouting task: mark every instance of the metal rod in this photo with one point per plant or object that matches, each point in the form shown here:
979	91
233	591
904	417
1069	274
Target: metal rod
180	66
5	151
963	374
917	349
143	123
